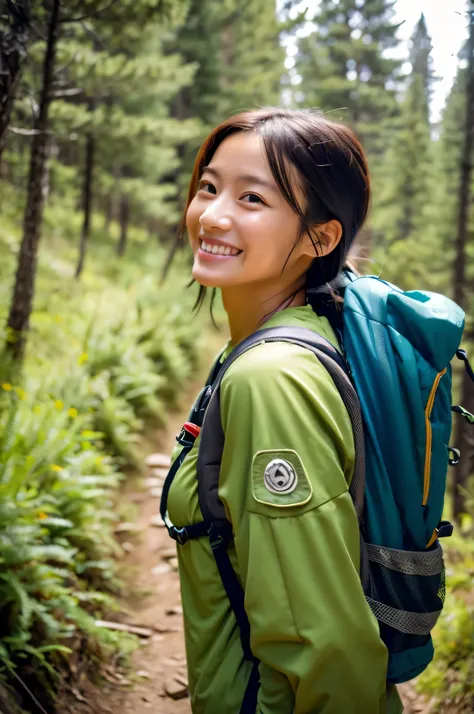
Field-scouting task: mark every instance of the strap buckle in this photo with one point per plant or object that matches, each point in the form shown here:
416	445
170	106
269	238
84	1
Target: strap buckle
180	535
219	536
188	434
444	529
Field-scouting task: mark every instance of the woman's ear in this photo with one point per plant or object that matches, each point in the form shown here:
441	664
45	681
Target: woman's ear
325	238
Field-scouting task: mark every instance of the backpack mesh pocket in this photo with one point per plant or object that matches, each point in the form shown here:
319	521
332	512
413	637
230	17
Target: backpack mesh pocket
407	593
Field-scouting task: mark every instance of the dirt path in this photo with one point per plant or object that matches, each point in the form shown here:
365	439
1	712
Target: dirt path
151	600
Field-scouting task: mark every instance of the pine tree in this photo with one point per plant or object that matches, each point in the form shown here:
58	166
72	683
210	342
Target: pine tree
402	199
343	67
21	305
14	30
252	57
463	234
109	94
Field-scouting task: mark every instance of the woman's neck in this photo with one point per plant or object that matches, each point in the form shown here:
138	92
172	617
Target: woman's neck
247	309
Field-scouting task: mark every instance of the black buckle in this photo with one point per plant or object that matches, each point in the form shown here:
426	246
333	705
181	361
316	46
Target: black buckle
219	535
180	535
445	529
183	438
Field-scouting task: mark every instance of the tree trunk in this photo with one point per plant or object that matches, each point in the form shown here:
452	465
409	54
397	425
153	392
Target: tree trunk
86	201
463	437
12	52
109	213
465	180
21	305
124	215
465	443
177	243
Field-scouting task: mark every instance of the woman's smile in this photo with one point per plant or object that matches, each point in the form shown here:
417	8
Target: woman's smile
211	249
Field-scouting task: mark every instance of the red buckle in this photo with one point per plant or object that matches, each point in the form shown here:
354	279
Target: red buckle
192	429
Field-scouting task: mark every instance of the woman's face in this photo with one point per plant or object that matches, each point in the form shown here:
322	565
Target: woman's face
239	211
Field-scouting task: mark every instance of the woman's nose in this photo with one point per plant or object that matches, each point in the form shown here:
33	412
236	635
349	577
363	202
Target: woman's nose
213	218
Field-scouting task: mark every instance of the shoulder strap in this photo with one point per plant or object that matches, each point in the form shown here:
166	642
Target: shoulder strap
209	463
212	436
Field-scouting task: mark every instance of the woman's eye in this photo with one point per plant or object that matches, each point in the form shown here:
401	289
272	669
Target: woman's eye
253	196
204	184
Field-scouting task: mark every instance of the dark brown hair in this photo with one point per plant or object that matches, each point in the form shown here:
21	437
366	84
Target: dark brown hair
331	165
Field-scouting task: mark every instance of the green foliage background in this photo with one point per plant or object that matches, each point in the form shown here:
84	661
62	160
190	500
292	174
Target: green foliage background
108	354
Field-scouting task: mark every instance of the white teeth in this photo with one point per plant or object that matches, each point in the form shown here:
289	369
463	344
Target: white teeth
218	249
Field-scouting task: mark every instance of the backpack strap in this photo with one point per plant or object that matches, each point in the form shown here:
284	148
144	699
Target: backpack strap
211	445
215	524
209	463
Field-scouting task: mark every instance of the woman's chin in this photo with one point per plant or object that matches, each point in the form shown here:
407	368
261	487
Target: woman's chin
204	278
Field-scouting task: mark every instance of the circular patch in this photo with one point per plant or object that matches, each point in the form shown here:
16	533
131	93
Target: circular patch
280	477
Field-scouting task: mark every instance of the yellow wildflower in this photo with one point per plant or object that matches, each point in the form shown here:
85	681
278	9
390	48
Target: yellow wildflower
83	358
57	319
58	404
72	412
37	409
21	394
7	387
98	460
55	467
42	515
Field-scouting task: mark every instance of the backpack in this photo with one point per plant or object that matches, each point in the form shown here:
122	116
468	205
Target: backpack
394	377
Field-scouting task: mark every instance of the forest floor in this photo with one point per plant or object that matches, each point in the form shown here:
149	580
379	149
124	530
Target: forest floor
157	680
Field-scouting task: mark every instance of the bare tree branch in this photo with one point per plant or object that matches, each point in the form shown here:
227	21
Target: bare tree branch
24	132
72	92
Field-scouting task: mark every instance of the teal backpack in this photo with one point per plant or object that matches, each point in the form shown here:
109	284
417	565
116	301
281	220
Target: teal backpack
394	376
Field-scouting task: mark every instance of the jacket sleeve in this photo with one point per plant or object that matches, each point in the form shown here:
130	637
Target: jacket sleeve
297	552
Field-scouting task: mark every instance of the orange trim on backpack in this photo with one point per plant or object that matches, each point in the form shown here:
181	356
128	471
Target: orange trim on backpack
429	439
433	538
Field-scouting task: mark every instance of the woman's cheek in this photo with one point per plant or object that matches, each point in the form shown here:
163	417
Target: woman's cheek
192	223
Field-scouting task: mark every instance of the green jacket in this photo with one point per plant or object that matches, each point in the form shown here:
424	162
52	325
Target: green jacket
296	554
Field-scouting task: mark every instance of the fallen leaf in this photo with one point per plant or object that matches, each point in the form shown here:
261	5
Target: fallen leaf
78	695
121	627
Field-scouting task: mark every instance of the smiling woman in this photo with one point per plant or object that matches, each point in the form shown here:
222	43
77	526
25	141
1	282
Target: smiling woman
279	209
275	201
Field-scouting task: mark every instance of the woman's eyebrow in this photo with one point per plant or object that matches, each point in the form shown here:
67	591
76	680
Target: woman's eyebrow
249	178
